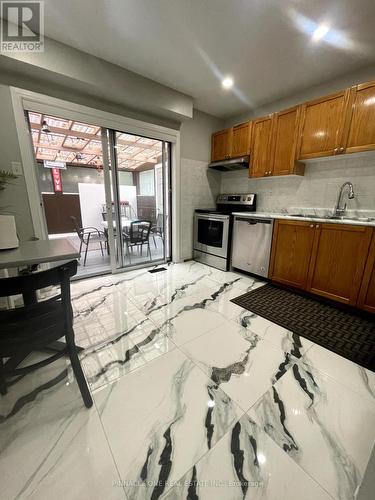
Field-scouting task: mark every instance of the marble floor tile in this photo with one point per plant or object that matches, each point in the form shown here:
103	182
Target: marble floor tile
277	335
55	381
188	317
243	364
111	315
173	365
80	288
56	452
122	353
325	427
223	303
160	420
246	464
355	377
169	293
243	281
191	323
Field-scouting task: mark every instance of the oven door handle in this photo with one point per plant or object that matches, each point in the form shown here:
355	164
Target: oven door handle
216	218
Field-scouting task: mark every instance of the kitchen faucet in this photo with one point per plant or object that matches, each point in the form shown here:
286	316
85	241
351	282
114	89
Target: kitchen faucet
340	210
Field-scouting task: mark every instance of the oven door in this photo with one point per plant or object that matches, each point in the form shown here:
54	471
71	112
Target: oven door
211	234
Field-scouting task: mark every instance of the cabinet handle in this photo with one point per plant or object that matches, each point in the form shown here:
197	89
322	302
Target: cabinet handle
342	150
311	225
335	150
317	226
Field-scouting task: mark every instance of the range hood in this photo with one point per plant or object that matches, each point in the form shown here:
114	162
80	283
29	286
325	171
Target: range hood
239	163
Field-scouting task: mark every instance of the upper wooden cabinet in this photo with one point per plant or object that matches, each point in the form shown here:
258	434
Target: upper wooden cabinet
260	150
274	144
220	145
338	260
291	249
231	142
361	136
340	123
241	140
323	123
366	299
285	134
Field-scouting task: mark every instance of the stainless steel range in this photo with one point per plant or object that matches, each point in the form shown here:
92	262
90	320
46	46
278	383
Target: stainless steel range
213	228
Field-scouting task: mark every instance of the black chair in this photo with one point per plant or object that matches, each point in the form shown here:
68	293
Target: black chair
89	235
36	325
158	228
137	235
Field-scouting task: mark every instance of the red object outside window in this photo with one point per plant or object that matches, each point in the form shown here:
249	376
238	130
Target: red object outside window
56	179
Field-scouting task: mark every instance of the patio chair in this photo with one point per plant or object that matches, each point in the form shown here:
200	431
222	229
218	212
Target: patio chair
137	235
158	228
89	235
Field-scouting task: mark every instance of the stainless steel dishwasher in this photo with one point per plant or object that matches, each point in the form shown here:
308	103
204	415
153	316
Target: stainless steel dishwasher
251	245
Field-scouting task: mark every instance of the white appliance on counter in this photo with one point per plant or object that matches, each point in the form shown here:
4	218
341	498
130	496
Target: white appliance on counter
251	245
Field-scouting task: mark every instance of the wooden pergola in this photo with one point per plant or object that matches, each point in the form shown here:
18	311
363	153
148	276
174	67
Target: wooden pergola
79	144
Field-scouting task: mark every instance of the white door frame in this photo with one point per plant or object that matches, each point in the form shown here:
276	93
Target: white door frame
23	100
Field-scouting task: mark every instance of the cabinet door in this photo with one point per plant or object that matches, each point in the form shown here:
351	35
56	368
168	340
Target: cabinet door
260	157
285	136
323	122
220	145
362	123
291	250
338	261
366	299
241	140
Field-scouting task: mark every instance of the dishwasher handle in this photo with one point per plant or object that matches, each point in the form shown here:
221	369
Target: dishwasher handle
253	221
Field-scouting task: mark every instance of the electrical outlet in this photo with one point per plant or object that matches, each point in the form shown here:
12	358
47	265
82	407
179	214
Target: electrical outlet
16	168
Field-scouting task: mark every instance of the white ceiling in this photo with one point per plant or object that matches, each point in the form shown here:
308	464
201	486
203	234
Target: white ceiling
190	45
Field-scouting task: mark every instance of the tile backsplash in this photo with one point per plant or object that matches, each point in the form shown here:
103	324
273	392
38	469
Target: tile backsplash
317	188
200	187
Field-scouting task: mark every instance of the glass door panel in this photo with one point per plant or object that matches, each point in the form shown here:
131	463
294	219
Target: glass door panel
69	172
139	168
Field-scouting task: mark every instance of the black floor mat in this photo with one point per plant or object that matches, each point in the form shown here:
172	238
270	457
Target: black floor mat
348	334
157	270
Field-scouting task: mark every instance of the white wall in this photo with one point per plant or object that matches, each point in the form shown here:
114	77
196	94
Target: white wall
318	188
14	199
61	67
92	197
199	186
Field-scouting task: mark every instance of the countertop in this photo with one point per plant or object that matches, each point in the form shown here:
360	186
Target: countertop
37	252
358	220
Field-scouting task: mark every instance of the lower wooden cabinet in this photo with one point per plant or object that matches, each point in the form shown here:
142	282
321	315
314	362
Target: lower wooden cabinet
338	261
366	299
325	259
291	251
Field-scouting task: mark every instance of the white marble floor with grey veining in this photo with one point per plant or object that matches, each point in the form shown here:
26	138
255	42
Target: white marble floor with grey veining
194	398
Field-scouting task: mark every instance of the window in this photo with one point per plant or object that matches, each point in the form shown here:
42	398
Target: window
147	183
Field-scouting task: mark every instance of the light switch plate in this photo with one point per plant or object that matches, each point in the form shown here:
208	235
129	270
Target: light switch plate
16	168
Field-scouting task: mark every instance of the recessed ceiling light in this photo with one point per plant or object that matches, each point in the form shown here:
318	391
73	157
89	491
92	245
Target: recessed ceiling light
320	32
227	83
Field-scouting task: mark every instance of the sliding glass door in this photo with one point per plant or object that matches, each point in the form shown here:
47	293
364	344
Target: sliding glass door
105	191
139	176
